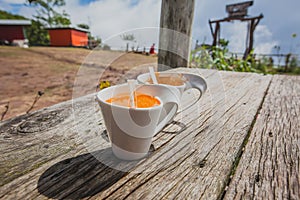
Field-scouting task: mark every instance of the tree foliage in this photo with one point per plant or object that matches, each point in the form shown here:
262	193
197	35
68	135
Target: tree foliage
128	37
37	35
7	15
84	26
94	41
47	14
218	57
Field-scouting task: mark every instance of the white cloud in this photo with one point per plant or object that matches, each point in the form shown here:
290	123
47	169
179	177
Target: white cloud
236	34
205	10
14	1
5	6
27	12
264	40
109	17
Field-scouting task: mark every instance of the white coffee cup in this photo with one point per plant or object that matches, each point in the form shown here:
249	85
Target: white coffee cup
190	81
131	130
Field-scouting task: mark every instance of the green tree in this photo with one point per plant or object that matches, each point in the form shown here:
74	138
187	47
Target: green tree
47	14
84	26
7	15
293	63
219	57
37	35
93	41
128	38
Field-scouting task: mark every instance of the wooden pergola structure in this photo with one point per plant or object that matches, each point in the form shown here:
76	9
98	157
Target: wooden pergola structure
178	16
238	11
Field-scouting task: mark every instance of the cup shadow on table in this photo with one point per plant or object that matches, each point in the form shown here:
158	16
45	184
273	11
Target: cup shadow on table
84	175
89	174
179	127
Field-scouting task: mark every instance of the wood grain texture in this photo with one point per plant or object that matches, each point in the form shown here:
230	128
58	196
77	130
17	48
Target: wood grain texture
191	158
270	166
197	162
176	22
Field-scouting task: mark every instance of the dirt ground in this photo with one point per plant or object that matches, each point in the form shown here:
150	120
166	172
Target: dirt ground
26	73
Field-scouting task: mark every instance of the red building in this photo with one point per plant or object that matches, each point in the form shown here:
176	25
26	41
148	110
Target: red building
11	30
68	36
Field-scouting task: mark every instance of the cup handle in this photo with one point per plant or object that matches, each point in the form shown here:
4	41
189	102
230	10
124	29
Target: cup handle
172	111
196	82
170	97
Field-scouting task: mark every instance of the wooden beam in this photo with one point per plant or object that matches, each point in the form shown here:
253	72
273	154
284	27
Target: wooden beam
216	34
254	22
250	36
175	34
228	19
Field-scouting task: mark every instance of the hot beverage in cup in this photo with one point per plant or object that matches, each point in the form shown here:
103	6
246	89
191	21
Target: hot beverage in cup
181	81
131	129
141	100
174	79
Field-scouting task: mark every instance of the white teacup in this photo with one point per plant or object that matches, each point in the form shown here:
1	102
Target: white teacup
189	81
131	130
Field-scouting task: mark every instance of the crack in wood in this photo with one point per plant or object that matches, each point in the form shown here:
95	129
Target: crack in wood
240	152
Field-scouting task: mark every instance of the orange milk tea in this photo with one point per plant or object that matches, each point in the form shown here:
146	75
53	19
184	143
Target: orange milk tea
169	79
140	100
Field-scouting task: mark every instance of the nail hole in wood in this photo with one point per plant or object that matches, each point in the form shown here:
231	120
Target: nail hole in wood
104	135
270	134
202	163
257	178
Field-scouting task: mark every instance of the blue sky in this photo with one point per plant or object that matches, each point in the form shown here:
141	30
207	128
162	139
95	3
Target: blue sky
85	2
111	17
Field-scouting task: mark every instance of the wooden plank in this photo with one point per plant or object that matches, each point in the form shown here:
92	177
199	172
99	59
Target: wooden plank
176	22
190	158
270	166
202	166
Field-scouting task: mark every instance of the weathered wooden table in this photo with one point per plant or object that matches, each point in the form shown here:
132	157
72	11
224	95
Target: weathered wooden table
241	141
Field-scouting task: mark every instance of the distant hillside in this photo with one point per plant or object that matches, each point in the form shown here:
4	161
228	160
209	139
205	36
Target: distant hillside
7	15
